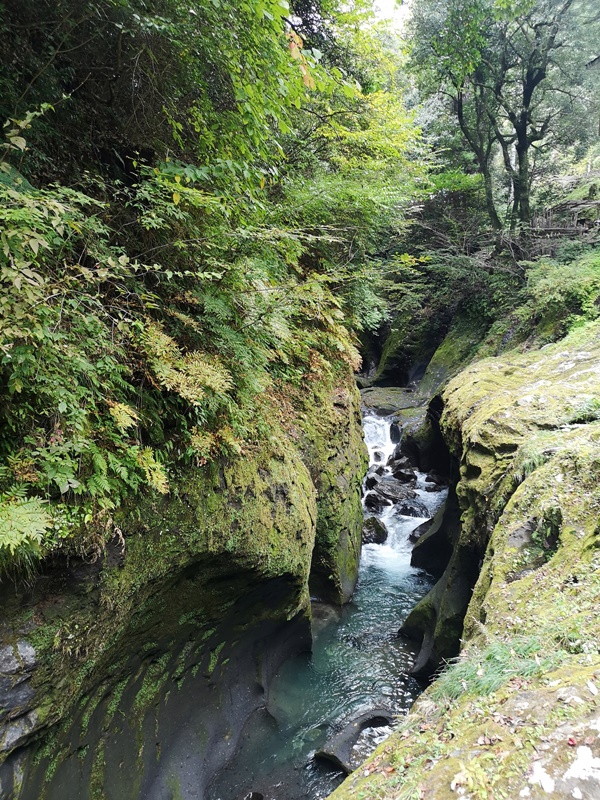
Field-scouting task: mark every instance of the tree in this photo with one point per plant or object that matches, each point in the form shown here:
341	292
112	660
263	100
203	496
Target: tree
515	76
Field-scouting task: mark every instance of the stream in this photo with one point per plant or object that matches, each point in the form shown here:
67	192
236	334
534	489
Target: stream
357	663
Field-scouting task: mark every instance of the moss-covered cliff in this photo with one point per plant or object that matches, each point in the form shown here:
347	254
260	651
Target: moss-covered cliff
518	714
132	676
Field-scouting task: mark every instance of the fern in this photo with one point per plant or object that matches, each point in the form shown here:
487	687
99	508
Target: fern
23	522
124	416
155	472
187	375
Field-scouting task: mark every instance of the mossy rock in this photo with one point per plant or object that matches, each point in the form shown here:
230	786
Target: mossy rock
517	714
203	594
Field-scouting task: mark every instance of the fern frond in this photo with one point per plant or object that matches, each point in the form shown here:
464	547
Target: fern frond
124	416
155	472
23	523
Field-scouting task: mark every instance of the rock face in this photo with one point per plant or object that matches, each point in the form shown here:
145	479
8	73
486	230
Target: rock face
518	714
133	676
337	459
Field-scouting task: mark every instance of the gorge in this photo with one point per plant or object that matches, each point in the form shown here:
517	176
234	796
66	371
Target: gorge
299	400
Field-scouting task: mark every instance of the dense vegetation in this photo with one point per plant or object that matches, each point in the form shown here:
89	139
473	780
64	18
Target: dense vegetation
204	204
190	197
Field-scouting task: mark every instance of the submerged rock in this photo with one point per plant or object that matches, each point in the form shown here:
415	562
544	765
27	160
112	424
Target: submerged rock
338	750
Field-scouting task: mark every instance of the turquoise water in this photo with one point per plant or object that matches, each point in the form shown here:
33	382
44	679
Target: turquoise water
357	664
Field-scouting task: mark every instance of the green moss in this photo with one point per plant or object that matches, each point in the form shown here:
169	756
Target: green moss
530	499
457	349
214	658
175	788
337	459
252	520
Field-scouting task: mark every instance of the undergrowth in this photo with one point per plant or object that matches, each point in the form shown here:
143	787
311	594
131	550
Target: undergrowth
479	673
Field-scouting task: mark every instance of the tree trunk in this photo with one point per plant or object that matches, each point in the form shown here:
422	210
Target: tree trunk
522	205
489	198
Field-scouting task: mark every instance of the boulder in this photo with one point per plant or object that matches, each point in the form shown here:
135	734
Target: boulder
434	548
374	531
393	490
433	477
372	480
404	475
395	433
338	750
375	502
397	460
412	508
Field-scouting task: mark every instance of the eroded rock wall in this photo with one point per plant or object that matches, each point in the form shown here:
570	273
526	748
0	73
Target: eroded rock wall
518	714
132	676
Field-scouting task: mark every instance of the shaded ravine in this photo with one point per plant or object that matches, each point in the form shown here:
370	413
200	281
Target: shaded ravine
357	664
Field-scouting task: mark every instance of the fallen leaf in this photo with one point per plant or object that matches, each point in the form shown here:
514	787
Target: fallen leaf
460	779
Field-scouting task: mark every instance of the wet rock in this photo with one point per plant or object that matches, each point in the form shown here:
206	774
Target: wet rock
434	548
393	490
374	531
412	508
377	456
420	530
395	433
372	481
338	750
433	477
422	442
404	475
26	654
14	697
9	663
398	462
375	502
380	471
436	622
16	732
254	796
